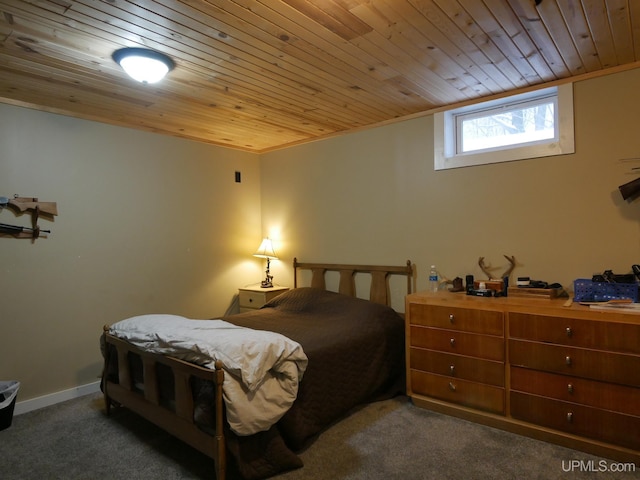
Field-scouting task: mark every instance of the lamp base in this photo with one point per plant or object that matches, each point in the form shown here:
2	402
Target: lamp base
267	282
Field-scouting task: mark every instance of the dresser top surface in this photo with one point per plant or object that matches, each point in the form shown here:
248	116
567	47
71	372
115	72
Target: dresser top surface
537	306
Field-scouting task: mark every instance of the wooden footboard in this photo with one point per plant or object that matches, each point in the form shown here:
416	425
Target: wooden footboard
144	399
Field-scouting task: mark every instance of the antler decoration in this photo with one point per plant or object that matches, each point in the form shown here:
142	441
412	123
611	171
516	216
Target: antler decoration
487	269
512	261
484	268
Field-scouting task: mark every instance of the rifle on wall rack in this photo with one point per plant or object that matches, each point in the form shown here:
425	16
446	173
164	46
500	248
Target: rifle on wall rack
21	232
22	204
29	203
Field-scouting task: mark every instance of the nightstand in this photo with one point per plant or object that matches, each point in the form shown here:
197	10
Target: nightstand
254	297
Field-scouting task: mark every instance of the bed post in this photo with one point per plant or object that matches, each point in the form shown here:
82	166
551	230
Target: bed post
107	402
221	454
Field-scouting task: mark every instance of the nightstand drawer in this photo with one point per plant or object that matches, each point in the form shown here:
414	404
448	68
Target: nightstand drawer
256	297
251	299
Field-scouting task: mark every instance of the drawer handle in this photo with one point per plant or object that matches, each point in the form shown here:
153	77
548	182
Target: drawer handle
452	342
570	417
250	300
451	317
569	332
452	369
567	360
570	388
452	387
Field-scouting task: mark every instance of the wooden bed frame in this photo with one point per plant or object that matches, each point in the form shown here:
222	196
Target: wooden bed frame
379	291
180	423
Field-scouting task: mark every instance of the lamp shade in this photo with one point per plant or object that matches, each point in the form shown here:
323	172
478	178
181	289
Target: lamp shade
143	65
265	250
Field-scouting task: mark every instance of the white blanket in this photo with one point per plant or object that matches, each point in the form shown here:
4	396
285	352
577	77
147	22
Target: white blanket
262	369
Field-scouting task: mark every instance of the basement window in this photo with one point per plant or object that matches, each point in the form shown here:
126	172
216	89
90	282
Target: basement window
528	125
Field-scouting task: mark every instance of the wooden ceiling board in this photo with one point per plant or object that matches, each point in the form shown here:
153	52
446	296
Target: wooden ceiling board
259	75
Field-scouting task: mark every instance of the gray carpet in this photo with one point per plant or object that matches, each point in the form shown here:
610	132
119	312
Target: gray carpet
386	440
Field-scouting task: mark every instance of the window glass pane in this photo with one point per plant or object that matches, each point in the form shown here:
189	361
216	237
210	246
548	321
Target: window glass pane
522	124
529	125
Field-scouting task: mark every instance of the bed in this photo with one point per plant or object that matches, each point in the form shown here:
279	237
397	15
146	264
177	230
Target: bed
355	353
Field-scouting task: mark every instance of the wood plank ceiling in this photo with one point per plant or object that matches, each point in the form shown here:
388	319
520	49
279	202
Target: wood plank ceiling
259	75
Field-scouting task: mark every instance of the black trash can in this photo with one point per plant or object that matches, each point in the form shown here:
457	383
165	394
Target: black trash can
8	395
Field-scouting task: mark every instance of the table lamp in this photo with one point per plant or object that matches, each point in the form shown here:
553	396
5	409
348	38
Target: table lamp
265	250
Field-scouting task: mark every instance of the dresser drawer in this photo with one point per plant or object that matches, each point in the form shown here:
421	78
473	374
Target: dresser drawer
462	392
603	425
600	335
455	318
607	396
458	366
461	343
594	364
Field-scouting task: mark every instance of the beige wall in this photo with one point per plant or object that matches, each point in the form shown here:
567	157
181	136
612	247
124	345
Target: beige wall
150	223
373	197
147	223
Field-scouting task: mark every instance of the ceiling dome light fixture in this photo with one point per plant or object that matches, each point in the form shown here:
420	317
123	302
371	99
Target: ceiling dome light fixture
143	65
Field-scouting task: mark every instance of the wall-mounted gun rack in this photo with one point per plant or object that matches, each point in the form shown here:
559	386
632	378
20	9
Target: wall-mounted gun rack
35	207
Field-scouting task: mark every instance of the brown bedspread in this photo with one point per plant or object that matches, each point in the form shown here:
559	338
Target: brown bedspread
356	355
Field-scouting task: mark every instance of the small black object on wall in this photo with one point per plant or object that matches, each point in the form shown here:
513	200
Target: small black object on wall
630	190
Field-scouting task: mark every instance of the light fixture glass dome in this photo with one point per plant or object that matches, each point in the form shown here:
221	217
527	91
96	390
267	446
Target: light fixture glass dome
143	65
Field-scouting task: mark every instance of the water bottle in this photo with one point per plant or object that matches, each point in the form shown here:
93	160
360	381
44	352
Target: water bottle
433	279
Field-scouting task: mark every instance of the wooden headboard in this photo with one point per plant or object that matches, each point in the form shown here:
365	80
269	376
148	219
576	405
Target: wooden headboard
379	292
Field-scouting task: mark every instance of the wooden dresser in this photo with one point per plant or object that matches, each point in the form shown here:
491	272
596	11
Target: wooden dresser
568	375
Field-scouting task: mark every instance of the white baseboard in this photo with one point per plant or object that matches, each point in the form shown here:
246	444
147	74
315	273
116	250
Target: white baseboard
53	398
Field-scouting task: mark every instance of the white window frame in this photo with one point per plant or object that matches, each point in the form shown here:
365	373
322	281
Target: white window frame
445	135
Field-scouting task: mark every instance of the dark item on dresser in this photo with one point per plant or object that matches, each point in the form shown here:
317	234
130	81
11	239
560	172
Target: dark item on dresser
355	349
610	277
